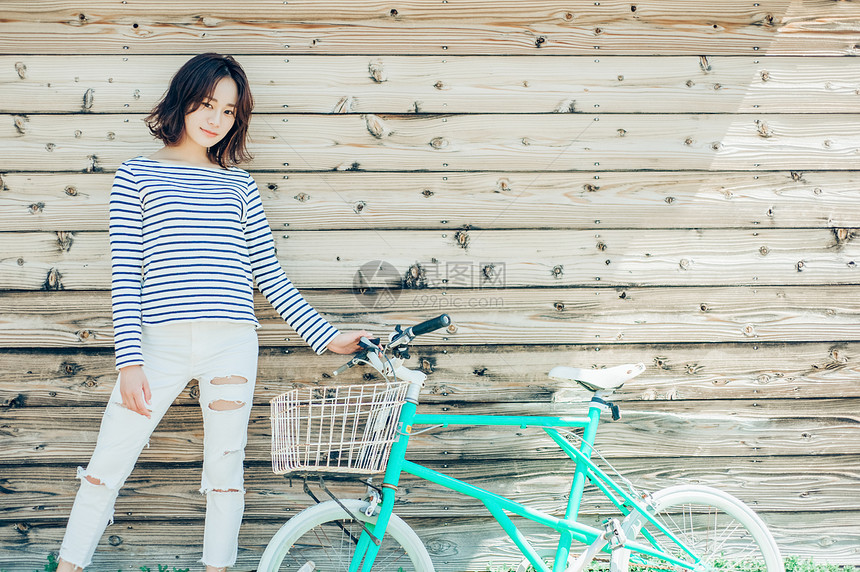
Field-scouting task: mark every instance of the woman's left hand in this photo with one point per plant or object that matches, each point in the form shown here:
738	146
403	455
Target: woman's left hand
347	342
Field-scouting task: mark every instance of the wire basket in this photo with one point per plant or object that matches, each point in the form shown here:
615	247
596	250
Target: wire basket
345	429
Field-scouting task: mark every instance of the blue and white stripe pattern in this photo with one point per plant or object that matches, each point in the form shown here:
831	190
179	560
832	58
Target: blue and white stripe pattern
188	243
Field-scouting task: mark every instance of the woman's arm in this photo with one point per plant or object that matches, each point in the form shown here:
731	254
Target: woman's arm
274	284
126	254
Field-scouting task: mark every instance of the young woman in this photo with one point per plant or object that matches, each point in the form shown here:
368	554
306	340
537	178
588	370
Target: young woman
188	240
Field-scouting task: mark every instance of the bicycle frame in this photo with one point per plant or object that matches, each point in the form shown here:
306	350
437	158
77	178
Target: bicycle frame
567	527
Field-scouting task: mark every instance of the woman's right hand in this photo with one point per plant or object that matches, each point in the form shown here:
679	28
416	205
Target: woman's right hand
134	388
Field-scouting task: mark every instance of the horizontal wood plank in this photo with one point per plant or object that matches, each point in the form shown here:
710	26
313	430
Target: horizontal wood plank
589	200
489	259
455	544
529	316
156	491
428	27
62	378
758	428
449	84
540	142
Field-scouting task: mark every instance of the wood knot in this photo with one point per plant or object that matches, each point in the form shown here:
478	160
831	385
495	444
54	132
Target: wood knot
621	132
70	368
488	272
415	278
438	142
21	69
844	235
566	106
93	166
358	207
87	104
764	250
427	193
601	246
704	307
452	329
765	75
426	365
480	371
762	129
749	330
559	306
688	141
684	264
796	176
557	271
36	208
716	145
799	266
65	239
85	335
114	540
462	239
589	188
344	105
53	281
503	185
376	126
22	528
377	71
669	200
302	197
71	190
439	85
540	41
20	122
704	64
194	391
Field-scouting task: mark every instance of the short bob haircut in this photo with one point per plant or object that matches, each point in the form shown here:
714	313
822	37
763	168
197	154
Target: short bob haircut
191	85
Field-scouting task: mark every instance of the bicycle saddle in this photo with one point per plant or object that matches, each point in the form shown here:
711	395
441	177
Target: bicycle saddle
598	379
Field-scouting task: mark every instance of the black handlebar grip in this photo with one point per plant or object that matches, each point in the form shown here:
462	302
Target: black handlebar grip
430	325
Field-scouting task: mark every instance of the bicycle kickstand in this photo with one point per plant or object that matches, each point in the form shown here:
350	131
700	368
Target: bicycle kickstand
615	536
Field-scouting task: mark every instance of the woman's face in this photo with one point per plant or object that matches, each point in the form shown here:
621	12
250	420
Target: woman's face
213	119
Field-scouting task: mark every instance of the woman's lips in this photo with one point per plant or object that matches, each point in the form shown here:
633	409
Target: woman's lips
209	133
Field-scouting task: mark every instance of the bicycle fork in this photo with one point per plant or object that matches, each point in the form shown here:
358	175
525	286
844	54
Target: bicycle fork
368	546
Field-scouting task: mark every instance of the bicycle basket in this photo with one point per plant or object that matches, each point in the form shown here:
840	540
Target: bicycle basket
345	429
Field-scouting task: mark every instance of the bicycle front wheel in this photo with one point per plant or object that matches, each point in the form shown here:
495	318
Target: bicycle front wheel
722	532
322	538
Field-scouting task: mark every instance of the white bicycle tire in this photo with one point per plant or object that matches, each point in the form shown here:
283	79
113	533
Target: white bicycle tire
711	497
329	511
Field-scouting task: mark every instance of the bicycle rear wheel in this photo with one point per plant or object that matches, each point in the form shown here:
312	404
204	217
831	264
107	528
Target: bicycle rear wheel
724	533
322	538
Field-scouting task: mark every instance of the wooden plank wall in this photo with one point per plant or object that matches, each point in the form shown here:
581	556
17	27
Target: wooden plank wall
581	182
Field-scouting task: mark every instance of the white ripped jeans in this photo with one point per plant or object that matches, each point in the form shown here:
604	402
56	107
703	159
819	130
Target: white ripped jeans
175	353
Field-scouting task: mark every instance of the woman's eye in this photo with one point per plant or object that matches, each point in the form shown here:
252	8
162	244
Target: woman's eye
206	104
228	112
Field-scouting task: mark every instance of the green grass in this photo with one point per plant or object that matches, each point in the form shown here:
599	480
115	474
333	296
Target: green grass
51	566
792	564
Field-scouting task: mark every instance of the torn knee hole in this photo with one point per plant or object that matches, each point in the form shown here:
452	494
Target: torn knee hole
93	480
226	491
229	380
224	405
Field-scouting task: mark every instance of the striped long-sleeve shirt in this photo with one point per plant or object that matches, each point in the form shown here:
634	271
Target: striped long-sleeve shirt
188	243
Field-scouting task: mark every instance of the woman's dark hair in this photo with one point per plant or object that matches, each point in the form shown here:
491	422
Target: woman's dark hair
194	82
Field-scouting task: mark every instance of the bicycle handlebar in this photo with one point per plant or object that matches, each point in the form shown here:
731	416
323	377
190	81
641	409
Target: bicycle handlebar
399	338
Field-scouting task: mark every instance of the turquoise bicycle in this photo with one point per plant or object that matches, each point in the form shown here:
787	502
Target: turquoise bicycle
365	429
